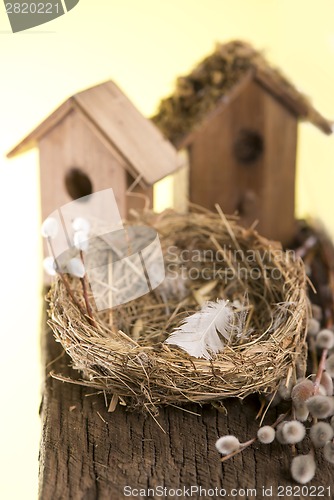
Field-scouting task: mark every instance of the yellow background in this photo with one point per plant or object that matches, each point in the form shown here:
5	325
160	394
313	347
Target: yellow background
142	45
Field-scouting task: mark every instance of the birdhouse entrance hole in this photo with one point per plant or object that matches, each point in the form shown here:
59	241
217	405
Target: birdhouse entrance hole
77	183
248	146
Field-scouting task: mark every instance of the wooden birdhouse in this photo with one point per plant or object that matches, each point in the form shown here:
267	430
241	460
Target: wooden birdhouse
95	140
238	118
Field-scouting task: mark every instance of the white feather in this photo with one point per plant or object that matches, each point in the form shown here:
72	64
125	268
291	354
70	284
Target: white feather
201	333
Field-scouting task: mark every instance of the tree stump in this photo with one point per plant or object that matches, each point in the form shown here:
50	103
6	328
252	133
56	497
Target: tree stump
87	453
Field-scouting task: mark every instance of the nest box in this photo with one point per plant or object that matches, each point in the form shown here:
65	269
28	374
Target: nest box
95	140
238	118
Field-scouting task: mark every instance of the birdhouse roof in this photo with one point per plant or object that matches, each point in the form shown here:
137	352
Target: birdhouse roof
146	153
220	76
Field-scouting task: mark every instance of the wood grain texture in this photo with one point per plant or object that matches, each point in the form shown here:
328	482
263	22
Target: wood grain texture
140	144
137	197
136	138
87	453
293	100
262	190
73	144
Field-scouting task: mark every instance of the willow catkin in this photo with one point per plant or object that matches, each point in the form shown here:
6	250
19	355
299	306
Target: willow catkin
227	444
301	412
302	391
320	406
76	268
284	389
293	432
279	434
49	228
325	339
317	313
266	434
313	327
327	382
303	468
320	433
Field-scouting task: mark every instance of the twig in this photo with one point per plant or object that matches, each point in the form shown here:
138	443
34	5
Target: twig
314	356
110	280
259	413
103	420
64	280
245	445
85	294
327	255
70	293
306	247
113	403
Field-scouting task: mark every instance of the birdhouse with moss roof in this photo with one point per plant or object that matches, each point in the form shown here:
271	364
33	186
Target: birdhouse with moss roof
96	140
238	119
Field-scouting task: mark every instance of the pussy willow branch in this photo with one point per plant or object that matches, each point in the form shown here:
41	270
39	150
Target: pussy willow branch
326	253
64	280
327	256
309	244
245	445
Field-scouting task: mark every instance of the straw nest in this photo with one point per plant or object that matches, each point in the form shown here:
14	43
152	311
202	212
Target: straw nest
214	258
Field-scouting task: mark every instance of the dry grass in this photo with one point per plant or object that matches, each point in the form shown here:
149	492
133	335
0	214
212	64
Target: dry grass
130	359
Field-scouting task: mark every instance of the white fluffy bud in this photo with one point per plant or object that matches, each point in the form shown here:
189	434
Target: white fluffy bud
49	265
293	432
227	444
320	406
303	468
313	327
301	411
81	224
325	339
316	312
266	434
80	240
49	228
76	268
320	433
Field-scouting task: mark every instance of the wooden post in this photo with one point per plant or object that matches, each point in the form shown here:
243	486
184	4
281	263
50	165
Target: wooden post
88	453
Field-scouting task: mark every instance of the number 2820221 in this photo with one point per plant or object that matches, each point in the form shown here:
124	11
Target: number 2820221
32	8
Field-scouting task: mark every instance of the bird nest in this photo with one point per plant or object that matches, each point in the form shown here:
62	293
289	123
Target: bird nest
207	258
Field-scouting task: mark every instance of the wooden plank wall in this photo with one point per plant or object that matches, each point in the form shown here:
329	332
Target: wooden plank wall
72	143
264	189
